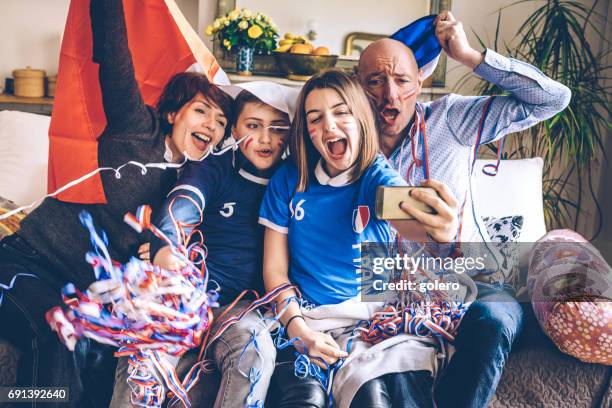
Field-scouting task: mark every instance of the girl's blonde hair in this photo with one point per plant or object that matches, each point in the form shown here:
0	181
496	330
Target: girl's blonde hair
303	152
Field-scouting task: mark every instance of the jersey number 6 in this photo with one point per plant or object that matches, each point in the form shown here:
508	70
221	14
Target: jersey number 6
298	212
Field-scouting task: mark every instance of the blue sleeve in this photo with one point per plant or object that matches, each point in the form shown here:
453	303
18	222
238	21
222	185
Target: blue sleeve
186	202
381	174
274	212
531	98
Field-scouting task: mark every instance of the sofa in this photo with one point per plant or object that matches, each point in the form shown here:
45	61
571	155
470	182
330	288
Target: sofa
537	374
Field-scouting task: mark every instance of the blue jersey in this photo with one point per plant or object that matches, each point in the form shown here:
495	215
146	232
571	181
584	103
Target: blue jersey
229	190
326	225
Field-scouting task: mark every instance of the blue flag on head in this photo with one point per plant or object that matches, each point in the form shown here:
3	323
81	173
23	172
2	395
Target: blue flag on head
420	37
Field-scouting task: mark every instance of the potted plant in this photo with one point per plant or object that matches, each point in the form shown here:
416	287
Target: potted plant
246	33
553	39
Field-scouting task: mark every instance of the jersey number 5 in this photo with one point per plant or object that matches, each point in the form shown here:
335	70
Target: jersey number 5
228	210
298	212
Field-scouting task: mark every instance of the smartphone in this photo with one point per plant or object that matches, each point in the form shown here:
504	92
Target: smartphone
388	199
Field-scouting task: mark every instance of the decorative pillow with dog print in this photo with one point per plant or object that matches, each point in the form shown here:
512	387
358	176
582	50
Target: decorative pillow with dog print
504	233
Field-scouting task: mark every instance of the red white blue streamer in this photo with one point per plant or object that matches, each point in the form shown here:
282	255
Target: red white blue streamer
422	319
147	312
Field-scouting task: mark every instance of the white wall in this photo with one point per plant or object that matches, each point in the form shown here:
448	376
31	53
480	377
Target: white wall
206	15
335	19
31	29
190	9
480	17
30	32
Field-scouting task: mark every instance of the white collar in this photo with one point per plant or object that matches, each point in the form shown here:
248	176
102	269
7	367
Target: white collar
253	178
168	155
342	179
245	173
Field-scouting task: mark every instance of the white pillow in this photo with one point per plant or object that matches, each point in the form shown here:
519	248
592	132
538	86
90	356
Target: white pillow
515	190
24	152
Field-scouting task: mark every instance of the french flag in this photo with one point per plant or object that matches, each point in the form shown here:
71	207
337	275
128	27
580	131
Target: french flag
162	44
361	218
420	37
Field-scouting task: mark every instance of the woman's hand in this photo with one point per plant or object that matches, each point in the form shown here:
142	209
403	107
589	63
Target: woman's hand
144	252
318	344
167	260
441	227
276	267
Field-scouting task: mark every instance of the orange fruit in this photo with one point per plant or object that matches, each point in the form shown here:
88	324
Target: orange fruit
321	51
300	49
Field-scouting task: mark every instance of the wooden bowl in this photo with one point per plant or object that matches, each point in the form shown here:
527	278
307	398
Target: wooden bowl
301	67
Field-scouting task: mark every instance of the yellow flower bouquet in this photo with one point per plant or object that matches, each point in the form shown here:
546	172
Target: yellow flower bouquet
243	28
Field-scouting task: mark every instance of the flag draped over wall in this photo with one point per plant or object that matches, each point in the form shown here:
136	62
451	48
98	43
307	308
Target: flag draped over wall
162	44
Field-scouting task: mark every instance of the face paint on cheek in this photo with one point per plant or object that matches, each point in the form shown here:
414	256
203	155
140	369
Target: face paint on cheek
408	94
349	124
311	132
247	142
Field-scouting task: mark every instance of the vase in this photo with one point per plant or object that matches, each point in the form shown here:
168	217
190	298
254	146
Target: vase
244	60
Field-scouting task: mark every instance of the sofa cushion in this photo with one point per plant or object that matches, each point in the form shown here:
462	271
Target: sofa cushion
505	233
571	288
515	190
24	150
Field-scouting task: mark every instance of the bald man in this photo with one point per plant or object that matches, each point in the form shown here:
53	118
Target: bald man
389	73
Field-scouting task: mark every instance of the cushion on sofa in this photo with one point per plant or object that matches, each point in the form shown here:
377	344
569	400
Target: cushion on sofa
571	288
24	150
504	233
515	190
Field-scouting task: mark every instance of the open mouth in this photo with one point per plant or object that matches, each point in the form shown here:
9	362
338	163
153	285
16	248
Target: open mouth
264	152
389	115
201	141
337	146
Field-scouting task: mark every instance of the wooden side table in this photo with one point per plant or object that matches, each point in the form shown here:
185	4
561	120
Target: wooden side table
41	106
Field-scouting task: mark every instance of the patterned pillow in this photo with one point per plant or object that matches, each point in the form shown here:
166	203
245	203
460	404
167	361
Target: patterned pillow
571	288
504	229
582	329
504	233
11	224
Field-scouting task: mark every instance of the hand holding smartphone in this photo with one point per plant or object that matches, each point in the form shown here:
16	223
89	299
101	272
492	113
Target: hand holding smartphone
389	198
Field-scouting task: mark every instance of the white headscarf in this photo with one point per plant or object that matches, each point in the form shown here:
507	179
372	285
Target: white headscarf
278	96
